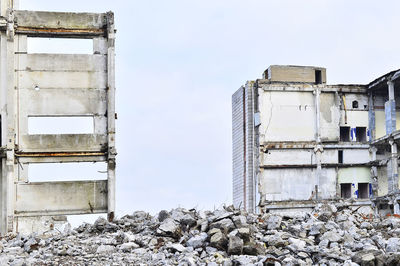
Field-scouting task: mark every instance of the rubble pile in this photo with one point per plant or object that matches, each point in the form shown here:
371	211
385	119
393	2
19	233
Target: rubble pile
327	236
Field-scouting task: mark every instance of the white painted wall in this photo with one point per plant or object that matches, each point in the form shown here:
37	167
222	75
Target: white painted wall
356	156
286	116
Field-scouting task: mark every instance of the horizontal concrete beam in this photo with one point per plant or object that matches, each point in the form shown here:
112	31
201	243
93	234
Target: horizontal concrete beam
63	143
310	145
324	165
61	159
42	23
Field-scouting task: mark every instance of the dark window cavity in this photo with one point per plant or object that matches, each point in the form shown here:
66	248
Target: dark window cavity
318	77
345	190
361	134
355	104
344	133
340	156
363	190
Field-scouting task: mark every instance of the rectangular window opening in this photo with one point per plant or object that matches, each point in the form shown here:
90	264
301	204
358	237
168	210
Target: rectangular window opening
361	134
59	45
345	134
48	172
318	77
60	125
345	190
340	156
363	190
383	206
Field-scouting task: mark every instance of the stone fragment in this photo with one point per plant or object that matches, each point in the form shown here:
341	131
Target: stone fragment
297	243
127	247
244	233
254	248
331	236
393	245
219	240
197	241
176	247
105	249
273	222
188	220
235	245
162	215
225	225
169	228
31	245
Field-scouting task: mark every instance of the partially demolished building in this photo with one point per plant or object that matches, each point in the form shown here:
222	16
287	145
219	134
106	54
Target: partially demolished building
54	86
297	141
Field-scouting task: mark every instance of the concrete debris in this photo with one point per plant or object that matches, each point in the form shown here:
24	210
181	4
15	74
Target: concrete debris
231	237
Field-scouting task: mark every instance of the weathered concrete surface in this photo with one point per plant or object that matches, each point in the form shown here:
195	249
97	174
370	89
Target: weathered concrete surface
55	198
294	73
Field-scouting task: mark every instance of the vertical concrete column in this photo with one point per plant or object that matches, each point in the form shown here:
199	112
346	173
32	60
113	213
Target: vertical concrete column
390	109
318	147
391	89
374	172
8	113
249	135
371	118
111	116
394	178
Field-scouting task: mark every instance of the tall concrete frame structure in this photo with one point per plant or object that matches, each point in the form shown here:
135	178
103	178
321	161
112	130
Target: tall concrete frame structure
298	141
54	85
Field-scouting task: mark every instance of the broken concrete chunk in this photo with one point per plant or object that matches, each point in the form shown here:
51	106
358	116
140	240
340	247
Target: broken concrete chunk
219	240
235	245
105	249
225	225
273	222
197	241
162	215
331	236
393	245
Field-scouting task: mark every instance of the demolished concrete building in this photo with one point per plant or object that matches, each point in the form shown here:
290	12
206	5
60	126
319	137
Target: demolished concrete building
297	141
56	86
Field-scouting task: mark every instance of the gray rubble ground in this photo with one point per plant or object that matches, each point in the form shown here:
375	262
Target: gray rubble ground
327	236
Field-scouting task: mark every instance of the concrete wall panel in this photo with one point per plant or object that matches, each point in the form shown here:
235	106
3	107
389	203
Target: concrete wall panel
330	116
382	181
354	175
380	125
62	62
354	156
60	197
296	184
63	101
61	80
329	156
288	157
355	119
282	113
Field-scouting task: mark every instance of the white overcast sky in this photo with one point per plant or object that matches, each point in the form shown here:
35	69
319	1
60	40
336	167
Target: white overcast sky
178	63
